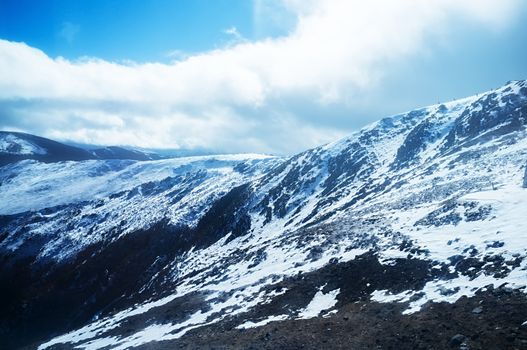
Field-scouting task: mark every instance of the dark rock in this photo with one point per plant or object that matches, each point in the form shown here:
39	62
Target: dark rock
457	340
414	143
333	261
495	244
511	337
525	178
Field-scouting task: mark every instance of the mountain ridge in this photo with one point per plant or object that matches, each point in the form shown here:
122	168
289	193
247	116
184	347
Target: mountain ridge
17	146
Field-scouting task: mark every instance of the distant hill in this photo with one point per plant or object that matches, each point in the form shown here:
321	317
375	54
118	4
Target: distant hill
16	146
114	152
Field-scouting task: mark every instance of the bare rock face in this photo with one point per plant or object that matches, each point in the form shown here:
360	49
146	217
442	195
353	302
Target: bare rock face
525	178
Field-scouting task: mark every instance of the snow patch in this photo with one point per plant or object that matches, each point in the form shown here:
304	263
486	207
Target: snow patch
250	324
320	302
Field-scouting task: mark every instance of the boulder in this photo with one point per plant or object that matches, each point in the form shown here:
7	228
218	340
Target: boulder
457	340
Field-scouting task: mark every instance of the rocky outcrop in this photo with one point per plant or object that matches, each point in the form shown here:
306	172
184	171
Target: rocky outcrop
525	178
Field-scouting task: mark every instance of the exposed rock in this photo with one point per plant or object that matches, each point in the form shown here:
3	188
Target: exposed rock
464	346
457	340
376	326
477	310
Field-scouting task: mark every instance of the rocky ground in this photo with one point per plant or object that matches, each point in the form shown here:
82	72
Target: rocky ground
491	320
495	318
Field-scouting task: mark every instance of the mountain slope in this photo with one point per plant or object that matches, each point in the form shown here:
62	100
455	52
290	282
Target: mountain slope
421	207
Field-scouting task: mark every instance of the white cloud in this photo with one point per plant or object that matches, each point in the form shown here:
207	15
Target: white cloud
237	98
235	35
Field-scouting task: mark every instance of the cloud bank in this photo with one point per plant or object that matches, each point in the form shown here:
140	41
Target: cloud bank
273	95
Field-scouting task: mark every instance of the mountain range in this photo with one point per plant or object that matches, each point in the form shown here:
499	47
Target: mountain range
408	234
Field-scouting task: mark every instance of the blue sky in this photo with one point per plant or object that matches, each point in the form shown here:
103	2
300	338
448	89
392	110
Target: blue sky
274	76
116	30
128	30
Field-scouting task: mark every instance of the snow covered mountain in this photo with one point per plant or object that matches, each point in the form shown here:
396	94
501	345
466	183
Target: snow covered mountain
16	146
394	226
